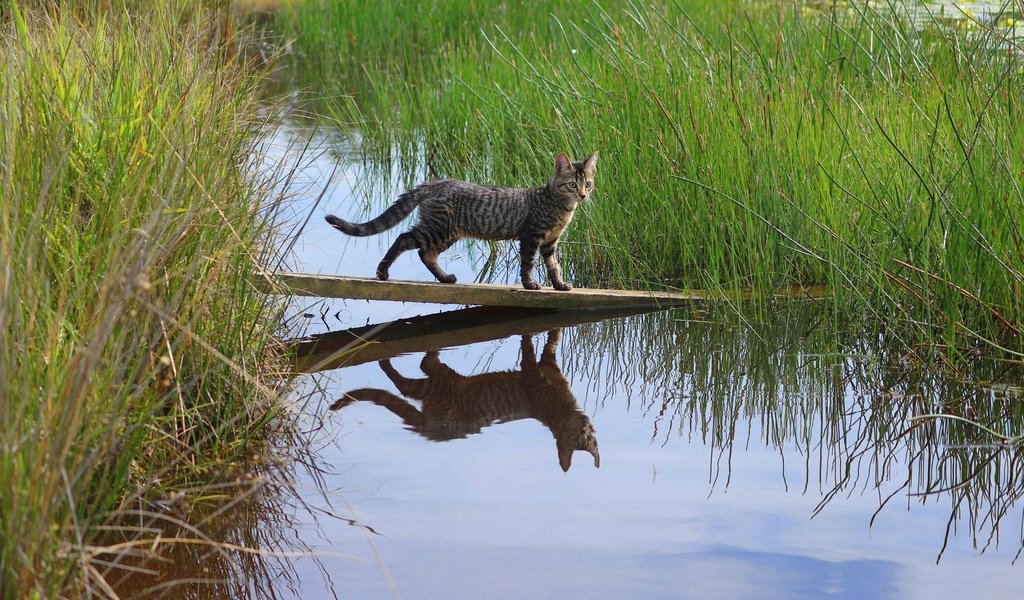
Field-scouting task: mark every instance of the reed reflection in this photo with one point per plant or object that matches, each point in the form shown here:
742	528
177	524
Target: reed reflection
240	541
454	406
859	414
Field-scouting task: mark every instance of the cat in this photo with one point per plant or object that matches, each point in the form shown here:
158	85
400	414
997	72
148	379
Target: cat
450	210
455	406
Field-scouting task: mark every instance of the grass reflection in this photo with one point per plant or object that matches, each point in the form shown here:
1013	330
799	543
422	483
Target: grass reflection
860	416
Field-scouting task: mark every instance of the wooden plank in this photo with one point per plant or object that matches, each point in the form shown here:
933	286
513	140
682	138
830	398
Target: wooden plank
433	332
488	294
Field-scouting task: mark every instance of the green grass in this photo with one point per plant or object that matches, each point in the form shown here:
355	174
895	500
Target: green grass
135	356
744	145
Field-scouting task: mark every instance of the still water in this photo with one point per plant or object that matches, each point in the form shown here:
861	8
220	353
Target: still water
739	457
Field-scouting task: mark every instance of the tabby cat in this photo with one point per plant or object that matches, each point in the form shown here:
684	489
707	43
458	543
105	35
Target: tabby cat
455	406
450	210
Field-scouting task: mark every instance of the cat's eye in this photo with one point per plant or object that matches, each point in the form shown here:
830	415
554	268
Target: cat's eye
572	185
589	184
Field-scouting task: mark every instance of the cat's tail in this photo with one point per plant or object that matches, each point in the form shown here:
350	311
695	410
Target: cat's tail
406	203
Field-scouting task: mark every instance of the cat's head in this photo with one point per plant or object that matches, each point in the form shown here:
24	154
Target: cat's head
578	434
574	180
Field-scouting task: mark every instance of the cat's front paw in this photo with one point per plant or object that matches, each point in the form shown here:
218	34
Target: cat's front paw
448	279
531	285
382	275
561	286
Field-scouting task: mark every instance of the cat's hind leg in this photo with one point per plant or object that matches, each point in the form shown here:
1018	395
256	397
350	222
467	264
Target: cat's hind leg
429	254
406	241
413	388
432	367
527	251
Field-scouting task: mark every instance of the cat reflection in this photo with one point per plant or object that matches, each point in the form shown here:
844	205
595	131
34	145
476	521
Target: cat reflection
455	406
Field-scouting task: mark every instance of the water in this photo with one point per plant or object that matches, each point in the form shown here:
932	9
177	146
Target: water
737	459
714	457
998	13
1003	16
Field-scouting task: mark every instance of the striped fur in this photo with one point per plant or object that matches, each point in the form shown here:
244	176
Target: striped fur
455	406
394	214
451	210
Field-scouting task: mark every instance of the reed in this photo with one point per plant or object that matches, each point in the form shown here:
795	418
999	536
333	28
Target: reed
136	368
744	145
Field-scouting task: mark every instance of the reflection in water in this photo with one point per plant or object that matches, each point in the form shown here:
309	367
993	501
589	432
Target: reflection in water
854	415
664	389
723	436
239	543
455	406
846	413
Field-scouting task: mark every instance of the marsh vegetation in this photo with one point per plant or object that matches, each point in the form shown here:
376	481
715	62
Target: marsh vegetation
873	147
136	372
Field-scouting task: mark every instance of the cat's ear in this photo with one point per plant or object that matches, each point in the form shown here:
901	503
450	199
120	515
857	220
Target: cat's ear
562	163
591	165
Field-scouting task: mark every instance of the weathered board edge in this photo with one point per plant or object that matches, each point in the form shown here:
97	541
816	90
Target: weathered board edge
424	333
484	294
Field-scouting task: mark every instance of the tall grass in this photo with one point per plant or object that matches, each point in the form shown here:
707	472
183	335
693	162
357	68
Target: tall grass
135	363
743	144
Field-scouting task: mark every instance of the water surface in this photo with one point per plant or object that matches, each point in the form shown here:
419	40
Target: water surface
753	456
738	457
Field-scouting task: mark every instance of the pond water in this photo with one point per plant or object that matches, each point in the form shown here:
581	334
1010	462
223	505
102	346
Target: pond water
692	453
1003	16
739	458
